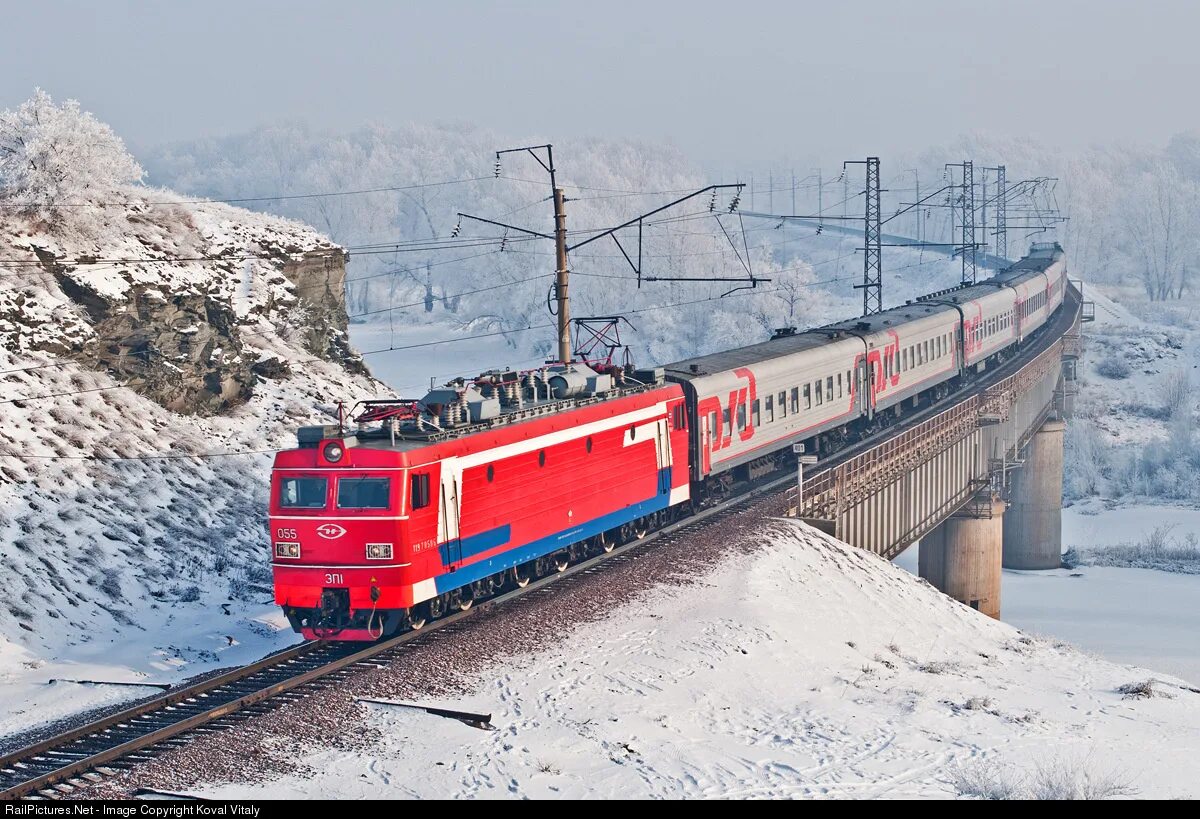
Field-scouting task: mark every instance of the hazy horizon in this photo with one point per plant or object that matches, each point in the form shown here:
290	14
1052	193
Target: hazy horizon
762	84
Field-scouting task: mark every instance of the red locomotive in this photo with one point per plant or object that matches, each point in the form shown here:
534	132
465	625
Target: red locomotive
432	504
426	506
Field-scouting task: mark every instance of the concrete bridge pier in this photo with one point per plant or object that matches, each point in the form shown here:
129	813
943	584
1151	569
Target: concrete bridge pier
962	556
1033	534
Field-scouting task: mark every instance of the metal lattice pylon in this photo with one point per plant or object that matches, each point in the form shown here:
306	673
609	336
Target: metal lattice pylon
969	262
872	247
1001	214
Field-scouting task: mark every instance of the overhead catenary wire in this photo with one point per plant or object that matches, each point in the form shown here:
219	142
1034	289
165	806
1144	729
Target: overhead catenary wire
492	334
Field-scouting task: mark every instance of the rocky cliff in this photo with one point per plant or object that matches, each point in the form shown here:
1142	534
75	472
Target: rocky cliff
149	371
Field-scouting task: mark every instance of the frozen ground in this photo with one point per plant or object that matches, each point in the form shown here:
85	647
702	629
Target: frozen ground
1138	616
172	646
803	668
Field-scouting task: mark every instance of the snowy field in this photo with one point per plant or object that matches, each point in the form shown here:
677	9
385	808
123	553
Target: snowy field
801	669
170	647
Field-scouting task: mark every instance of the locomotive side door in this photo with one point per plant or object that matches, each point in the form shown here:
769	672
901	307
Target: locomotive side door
663	456
448	522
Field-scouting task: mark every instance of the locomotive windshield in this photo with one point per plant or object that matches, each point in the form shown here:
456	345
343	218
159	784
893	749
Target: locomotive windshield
303	493
363	493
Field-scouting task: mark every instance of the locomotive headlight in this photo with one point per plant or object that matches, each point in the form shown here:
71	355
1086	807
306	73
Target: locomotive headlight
379	551
333	452
287	550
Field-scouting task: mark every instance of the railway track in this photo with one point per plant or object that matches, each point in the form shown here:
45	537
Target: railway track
61	765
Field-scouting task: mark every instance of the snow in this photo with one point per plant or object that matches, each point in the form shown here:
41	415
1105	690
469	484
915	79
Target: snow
167	647
802	669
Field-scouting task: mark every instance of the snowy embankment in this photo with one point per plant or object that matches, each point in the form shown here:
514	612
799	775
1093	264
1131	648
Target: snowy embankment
154	352
800	667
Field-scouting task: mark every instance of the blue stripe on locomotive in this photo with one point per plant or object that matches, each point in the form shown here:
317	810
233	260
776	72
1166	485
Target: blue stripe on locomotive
475	544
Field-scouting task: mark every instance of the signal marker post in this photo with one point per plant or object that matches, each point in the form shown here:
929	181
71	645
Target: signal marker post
801	461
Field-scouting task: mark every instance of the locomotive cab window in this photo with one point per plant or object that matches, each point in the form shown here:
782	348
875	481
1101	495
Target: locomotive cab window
364	493
420	491
303	493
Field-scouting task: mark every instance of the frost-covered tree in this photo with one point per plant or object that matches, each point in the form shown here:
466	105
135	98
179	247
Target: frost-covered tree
54	158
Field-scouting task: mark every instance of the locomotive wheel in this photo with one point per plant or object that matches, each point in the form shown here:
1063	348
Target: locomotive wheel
462	601
641	528
520	575
437	607
561	561
416	618
605	543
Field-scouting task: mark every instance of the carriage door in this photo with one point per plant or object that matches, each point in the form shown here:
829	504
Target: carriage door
866	388
448	522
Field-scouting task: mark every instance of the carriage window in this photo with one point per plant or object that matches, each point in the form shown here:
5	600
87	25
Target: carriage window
807	397
754	413
726	423
303	493
783	404
796	398
364	493
770	408
828	388
420	491
741	416
818	394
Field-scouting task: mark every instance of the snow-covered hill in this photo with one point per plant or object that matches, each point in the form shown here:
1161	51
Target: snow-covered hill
153	351
797	666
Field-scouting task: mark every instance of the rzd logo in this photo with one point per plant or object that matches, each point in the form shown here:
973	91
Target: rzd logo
330	531
743	397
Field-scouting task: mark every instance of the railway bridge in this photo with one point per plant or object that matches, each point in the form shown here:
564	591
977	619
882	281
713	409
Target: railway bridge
976	479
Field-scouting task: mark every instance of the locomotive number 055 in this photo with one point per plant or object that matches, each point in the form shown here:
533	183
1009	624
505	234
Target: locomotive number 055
285	534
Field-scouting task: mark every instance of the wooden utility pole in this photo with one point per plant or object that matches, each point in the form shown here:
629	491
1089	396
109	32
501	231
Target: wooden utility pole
561	276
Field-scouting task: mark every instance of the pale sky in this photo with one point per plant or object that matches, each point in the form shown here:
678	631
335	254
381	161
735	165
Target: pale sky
733	84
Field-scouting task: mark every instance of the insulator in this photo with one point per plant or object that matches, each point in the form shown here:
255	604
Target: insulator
504	241
712	202
734	204
457	228
497	166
